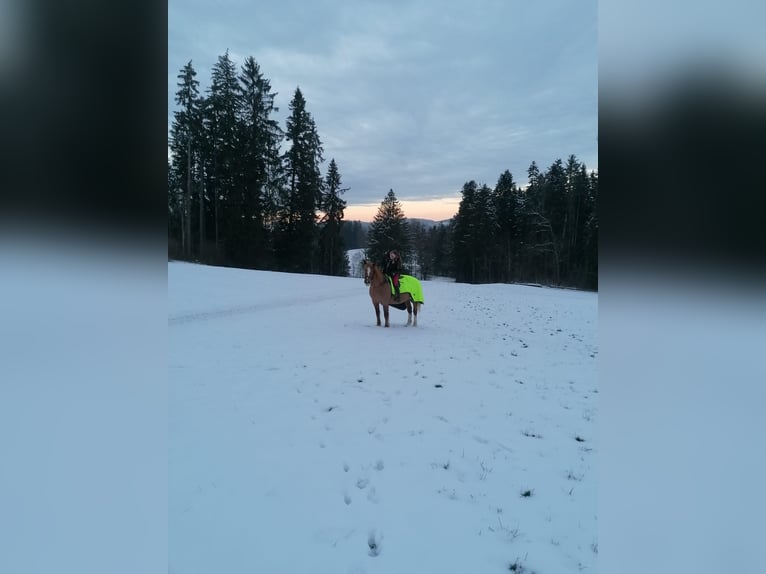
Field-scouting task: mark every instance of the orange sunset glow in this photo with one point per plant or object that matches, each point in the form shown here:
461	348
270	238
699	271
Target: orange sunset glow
435	209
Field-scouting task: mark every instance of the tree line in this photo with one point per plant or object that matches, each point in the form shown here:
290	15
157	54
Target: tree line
244	192
544	233
234	196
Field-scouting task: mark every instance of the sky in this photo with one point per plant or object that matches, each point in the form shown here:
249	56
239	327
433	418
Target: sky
292	444
418	97
646	44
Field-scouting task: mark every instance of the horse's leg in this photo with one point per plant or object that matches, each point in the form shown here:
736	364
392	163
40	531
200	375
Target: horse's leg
416	305
377	311
385	314
409	312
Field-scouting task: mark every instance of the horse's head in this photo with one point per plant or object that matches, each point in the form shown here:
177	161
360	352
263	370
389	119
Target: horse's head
367	266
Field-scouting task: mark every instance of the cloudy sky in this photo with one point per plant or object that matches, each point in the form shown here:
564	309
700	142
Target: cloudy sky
414	96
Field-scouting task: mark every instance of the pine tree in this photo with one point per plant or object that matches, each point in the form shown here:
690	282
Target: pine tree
556	212
175	213
507	207
302	195
537	229
333	257
185	142
534	187
273	209
465	235
223	153
591	233
485	239
260	137
389	230
574	231
546	233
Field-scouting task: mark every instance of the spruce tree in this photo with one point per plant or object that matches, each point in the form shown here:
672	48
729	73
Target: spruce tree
536	228
259	137
185	141
175	210
556	214
298	247
507	208
389	230
465	234
591	234
223	151
333	257
574	232
485	239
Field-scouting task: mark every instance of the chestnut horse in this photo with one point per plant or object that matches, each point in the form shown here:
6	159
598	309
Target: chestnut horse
380	293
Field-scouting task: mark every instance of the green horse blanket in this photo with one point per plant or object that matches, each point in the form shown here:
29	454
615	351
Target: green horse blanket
408	284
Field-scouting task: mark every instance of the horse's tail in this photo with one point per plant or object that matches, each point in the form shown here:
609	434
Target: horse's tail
417	307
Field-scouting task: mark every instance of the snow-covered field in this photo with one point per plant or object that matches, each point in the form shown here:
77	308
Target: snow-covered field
93	479
303	438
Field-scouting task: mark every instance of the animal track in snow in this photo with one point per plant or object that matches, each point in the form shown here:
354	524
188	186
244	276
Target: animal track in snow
451	494
362	483
373	543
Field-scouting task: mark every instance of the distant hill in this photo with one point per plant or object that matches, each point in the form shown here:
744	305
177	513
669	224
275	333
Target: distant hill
365	224
354	232
428	223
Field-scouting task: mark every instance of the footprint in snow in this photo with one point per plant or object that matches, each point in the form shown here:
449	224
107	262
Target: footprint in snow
373	543
362	483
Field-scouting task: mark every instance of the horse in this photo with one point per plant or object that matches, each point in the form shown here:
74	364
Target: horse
380	293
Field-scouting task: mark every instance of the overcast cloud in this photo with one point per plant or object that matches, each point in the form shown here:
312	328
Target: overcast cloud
415	96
